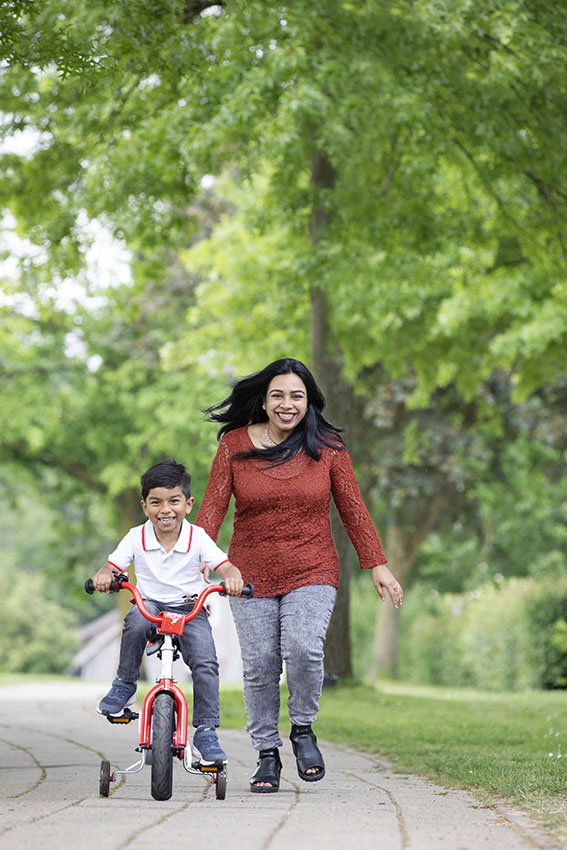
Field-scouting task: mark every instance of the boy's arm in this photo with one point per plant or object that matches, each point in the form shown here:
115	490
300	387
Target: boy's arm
102	579
232	578
118	561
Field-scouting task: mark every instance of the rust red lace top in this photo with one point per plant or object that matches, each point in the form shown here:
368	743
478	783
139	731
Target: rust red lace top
282	530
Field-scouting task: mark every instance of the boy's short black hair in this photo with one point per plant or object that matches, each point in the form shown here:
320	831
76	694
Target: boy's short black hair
168	474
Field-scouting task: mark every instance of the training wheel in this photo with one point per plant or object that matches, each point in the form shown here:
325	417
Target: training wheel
104	779
220	782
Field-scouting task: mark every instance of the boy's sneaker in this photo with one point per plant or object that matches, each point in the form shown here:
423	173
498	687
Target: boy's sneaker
206	748
120	695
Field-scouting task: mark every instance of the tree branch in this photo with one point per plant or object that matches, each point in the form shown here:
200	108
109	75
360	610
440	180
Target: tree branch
80	473
395	159
8	375
485	36
494	194
436	509
546	192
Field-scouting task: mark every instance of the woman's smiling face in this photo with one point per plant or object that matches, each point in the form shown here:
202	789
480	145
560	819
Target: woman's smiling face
285	405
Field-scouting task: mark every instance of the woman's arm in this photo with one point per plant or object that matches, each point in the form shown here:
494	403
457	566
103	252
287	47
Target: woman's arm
353	512
360	528
217	495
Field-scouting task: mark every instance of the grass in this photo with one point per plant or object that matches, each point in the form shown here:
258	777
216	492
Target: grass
503	746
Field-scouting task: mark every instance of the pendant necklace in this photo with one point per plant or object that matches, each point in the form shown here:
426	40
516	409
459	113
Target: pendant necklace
266	439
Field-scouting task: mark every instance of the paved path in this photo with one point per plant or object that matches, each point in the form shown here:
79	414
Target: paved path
51	743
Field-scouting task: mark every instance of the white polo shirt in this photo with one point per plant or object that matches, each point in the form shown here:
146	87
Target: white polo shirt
168	576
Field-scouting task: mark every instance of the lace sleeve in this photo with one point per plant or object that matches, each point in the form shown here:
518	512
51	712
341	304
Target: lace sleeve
217	495
354	513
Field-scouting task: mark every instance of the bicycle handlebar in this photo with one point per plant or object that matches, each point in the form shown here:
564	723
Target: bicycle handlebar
118	582
121	582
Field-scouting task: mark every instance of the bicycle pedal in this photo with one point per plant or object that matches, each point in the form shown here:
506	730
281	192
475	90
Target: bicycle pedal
154	646
205	768
126	717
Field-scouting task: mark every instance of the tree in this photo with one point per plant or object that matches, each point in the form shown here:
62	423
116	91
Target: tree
468	157
88	402
414	155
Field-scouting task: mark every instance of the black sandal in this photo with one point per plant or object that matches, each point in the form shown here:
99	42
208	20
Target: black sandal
307	753
268	770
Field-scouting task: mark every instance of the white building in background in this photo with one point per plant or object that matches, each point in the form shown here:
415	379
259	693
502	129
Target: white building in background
98	657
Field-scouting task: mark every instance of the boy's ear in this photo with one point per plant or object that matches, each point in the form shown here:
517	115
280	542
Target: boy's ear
190	503
143	504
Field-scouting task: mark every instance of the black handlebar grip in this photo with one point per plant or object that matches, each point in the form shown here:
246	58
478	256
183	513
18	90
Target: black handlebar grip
115	584
247	591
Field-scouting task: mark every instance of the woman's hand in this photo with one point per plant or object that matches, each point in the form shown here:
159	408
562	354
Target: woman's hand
383	579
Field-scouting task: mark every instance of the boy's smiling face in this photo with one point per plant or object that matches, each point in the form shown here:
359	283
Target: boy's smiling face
166	508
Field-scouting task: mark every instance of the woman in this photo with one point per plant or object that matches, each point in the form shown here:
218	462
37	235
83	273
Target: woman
282	461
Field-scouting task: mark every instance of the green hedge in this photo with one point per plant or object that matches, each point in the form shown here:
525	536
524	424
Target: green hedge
511	635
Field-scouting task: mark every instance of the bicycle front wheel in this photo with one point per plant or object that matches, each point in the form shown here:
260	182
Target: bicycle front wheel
162	746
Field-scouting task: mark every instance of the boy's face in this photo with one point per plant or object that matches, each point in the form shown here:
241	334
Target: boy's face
166	507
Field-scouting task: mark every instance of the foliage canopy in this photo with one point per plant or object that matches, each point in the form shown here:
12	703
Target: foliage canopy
404	159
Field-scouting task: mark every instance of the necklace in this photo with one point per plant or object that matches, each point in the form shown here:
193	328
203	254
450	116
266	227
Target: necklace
266	439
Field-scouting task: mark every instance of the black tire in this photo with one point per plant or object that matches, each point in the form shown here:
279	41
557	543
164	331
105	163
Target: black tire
221	784
162	752
104	779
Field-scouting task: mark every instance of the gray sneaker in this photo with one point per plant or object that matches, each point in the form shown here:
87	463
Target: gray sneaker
206	748
120	695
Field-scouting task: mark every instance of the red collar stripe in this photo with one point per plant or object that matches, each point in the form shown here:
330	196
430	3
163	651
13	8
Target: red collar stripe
144	537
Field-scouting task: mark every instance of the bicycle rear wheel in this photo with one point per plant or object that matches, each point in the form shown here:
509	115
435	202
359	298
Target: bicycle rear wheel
162	743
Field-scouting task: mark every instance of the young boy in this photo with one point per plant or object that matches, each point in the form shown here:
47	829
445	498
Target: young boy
167	552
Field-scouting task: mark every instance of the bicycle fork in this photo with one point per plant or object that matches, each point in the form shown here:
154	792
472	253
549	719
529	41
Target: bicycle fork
179	739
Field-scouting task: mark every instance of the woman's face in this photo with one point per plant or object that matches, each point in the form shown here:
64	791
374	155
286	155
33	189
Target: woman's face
285	404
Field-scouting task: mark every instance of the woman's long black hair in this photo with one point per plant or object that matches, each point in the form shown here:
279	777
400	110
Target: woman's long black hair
244	407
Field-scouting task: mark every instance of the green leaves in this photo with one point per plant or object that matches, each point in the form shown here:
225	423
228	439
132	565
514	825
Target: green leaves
406	160
441	123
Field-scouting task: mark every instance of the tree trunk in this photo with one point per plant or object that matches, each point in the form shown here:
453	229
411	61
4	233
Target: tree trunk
386	636
130	512
338	663
402	549
327	366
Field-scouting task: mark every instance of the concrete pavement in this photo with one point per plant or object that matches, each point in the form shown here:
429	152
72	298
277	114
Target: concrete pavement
52	741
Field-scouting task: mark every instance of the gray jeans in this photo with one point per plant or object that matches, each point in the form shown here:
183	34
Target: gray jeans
274	629
197	649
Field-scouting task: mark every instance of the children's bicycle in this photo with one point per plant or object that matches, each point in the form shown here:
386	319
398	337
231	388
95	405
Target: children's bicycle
164	715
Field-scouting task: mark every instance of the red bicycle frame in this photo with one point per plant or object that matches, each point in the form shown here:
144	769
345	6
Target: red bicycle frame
168	623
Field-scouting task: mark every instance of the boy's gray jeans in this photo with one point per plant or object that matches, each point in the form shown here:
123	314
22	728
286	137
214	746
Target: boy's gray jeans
197	649
274	629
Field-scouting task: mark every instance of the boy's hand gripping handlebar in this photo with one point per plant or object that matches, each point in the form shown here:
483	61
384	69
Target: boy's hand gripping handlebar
117	583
